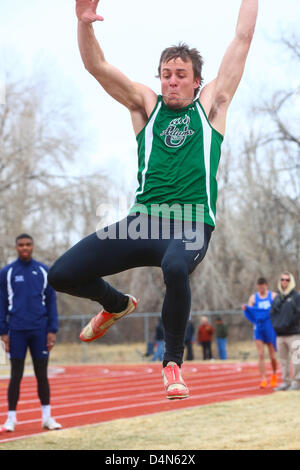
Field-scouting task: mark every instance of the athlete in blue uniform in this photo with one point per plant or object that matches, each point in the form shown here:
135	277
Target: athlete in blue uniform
28	319
258	312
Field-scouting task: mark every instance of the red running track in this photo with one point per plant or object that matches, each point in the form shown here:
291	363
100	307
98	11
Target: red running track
90	394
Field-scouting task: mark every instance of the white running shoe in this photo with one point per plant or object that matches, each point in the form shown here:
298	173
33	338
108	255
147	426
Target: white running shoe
51	424
294	386
9	425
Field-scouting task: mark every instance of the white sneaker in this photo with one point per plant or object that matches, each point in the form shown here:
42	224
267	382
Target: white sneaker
9	425
51	424
294	386
282	387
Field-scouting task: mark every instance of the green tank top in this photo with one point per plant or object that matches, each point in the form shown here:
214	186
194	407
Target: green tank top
178	158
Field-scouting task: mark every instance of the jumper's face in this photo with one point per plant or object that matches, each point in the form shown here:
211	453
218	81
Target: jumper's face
262	289
178	83
24	247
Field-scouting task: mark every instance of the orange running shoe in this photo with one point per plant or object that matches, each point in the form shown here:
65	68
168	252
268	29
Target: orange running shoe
273	382
173	382
263	384
100	323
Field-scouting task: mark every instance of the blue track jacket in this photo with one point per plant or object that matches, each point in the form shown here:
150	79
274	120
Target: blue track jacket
257	315
27	301
260	312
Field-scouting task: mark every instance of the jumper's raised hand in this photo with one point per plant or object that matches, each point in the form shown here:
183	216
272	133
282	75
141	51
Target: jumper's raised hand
86	11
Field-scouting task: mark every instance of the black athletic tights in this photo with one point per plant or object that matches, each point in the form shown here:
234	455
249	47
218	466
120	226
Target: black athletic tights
17	369
80	270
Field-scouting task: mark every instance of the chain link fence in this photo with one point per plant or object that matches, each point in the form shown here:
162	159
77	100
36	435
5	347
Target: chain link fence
140	327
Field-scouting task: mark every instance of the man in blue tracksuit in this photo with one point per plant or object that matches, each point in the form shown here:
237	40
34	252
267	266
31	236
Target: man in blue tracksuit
28	319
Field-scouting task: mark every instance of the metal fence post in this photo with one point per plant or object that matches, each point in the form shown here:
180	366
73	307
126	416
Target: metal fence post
146	328
83	344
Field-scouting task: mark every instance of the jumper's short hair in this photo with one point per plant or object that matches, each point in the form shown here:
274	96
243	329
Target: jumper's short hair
185	53
23	235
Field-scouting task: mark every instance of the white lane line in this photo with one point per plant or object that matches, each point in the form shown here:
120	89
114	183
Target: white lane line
96	381
106	389
143	404
28	436
135	397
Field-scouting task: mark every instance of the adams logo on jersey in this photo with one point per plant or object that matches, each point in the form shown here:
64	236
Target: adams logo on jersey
177	131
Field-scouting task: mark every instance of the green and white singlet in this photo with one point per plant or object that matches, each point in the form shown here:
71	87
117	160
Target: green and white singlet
178	158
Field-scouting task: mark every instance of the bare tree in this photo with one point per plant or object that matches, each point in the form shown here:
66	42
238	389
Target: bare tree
39	143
